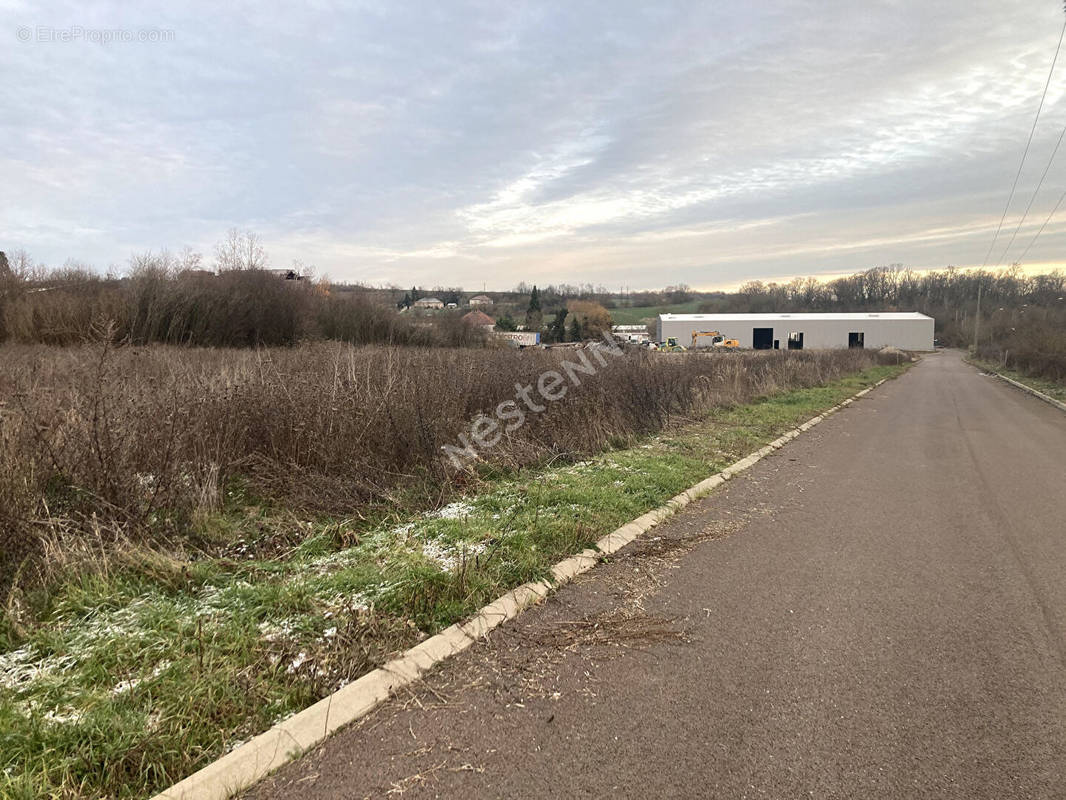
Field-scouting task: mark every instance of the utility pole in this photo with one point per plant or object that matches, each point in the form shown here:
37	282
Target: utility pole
977	319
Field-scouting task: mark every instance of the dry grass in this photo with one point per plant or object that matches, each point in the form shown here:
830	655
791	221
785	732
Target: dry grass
102	443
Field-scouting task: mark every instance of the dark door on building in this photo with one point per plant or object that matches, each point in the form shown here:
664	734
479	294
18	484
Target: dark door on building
855	339
762	338
795	340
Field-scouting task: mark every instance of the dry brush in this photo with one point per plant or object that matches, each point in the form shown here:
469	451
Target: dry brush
102	444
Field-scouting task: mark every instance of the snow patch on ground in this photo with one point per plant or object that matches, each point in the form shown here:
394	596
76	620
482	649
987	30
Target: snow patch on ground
213	599
456	510
133	683
448	556
63	716
272	630
24	666
297	662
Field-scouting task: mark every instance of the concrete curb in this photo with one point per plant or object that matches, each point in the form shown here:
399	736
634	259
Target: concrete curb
1027	389
285	741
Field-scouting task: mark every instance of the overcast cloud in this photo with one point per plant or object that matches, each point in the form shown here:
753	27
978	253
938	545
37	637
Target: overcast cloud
489	143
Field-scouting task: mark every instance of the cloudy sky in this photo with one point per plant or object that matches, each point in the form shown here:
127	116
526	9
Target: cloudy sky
487	143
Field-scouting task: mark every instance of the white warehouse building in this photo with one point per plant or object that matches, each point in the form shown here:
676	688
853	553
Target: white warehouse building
907	330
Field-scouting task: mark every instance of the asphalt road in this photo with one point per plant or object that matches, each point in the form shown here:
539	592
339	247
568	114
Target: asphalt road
878	610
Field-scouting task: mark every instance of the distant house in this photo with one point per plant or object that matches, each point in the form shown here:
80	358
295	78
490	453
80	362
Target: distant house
481	300
429	302
481	320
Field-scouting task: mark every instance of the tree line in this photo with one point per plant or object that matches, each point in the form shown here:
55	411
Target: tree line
171	298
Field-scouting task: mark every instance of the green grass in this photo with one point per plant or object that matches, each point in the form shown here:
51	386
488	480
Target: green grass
1051	388
634	315
140	675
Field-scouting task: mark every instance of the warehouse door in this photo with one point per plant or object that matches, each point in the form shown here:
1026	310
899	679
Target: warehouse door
762	338
795	340
855	340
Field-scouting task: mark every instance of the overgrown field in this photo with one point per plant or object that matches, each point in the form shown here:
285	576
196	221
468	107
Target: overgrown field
199	543
102	444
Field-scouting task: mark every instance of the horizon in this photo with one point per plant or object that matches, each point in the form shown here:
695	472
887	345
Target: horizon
622	292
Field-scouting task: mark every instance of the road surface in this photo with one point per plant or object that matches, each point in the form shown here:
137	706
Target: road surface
878	610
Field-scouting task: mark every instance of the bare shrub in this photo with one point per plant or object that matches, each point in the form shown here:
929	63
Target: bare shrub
1030	341
134	441
167	299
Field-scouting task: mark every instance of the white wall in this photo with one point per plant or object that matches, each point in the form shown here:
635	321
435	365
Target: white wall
912	333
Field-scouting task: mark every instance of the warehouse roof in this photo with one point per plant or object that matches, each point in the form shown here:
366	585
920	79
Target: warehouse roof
800	316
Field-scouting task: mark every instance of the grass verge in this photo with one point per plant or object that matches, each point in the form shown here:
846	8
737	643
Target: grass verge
1050	388
138	676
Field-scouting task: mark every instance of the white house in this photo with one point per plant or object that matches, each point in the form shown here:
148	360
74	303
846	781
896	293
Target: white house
907	330
429	302
481	300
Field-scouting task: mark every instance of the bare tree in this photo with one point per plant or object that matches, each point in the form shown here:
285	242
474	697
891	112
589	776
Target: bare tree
240	251
189	259
148	262
20	265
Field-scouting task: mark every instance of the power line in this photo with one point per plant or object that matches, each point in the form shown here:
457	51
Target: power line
1032	131
1036	191
1032	241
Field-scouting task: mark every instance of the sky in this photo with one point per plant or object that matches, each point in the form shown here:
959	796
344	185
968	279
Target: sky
483	144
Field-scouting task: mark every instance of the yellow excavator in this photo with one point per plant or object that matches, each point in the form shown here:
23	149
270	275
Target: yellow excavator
716	340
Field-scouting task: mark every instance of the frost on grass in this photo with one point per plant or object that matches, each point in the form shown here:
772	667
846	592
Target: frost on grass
456	510
29	667
297	662
278	630
448	556
20	669
229	598
448	537
389	546
63	716
84	635
135	681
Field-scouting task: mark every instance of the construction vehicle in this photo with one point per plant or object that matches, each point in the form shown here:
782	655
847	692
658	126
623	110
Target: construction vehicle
717	340
671	345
